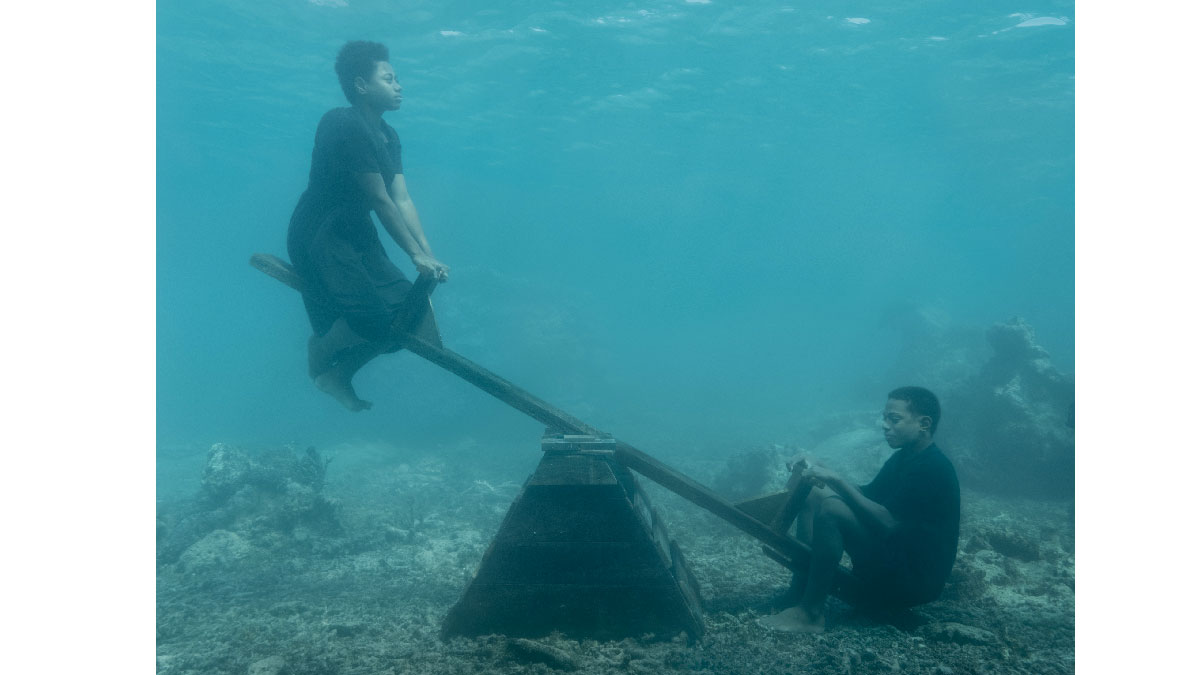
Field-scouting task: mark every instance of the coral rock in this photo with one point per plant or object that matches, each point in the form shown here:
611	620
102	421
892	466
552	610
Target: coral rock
227	469
218	549
1008	428
272	665
958	633
753	472
531	651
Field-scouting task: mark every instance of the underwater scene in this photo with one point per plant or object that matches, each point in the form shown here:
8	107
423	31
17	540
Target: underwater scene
680	336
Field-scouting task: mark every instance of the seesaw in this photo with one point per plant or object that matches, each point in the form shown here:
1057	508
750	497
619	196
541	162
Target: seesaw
581	550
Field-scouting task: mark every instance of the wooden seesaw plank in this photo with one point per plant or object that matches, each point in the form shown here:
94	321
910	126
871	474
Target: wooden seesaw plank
784	549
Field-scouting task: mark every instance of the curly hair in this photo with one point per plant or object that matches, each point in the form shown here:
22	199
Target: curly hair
357	58
921	402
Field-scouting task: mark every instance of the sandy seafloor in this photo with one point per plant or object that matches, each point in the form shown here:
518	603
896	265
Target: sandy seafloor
412	526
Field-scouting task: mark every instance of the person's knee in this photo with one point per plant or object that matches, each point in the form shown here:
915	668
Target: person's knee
832	507
836	515
832	512
827	538
815	497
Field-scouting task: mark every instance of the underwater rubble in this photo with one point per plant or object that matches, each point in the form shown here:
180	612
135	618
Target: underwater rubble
283	562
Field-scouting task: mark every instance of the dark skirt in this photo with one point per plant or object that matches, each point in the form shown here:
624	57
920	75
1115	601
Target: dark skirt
346	270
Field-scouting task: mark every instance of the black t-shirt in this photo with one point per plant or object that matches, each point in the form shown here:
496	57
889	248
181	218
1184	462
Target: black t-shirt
345	146
921	492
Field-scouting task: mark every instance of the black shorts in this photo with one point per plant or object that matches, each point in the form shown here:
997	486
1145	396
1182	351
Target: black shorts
888	579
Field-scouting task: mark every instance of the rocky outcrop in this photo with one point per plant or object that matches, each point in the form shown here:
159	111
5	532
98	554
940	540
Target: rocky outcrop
1010	427
754	472
269	500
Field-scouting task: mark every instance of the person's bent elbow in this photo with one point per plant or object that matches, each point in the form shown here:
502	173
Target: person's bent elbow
380	202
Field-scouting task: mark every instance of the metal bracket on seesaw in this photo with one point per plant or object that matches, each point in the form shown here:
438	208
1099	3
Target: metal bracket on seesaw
412	328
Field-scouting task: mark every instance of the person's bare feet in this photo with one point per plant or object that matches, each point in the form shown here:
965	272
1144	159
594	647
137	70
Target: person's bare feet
331	382
794	620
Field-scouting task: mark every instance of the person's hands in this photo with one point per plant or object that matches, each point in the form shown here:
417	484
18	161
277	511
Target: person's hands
797	462
819	475
805	470
426	264
800	467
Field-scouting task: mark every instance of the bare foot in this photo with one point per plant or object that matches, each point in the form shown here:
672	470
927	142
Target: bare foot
794	620
332	383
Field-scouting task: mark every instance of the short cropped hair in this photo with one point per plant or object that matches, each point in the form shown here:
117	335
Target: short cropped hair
921	402
358	58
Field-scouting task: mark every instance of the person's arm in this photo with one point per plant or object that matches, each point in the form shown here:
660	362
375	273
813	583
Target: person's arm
871	513
398	191
399	217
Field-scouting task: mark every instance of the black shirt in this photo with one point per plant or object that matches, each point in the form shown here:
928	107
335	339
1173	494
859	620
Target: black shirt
920	490
345	146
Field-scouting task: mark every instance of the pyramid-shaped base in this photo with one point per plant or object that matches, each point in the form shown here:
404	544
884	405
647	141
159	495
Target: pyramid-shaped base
580	552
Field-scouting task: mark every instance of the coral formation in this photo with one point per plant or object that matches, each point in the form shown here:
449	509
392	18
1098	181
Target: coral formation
246	503
754	472
1008	412
1010	426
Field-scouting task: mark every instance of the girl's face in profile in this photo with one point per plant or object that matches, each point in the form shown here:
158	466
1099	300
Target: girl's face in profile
381	90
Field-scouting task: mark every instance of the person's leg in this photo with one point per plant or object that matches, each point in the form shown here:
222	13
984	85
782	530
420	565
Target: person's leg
366	291
358	291
835	530
802	504
361	333
334	358
324	347
812	506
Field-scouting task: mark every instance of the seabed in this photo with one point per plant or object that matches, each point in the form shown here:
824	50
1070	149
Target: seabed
355	574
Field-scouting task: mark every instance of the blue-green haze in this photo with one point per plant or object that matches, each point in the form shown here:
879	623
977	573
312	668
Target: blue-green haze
682	221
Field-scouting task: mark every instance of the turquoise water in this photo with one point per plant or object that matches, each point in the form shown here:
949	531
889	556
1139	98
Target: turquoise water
684	222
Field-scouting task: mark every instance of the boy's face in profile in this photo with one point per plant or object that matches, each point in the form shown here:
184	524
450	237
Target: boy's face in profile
901	428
